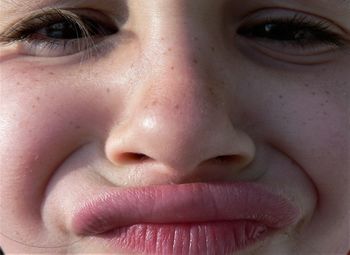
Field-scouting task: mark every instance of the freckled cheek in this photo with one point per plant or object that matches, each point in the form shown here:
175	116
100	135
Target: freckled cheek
39	127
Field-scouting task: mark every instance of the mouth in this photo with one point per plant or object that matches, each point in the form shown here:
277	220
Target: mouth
196	218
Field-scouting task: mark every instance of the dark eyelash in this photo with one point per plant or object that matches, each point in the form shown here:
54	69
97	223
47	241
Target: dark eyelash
320	29
22	30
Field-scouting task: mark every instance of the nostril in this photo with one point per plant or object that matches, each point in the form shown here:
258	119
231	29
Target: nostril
237	160
131	157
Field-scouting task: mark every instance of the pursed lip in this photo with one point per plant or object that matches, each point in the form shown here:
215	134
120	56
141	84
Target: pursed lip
184	203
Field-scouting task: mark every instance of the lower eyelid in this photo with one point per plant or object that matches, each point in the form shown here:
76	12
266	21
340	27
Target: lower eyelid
263	53
50	48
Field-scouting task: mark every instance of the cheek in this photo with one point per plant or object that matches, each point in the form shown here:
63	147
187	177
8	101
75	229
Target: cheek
42	123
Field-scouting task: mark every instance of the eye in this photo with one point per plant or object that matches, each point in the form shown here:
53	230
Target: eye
60	32
288	31
295	34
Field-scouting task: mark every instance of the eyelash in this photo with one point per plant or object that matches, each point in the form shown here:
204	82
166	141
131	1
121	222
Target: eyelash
297	26
89	31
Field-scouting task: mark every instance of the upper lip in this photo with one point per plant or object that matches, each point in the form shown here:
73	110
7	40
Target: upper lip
184	203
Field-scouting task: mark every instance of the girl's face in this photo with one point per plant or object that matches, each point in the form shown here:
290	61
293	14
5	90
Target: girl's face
175	127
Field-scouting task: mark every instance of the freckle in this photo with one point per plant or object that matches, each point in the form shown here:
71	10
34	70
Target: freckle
195	61
77	127
154	102
169	49
172	68
325	114
212	48
196	38
177	107
37	98
327	92
280	97
306	85
51	73
162	38
18	83
71	123
313	93
108	90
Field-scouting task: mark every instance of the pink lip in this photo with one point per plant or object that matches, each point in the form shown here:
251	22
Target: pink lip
226	214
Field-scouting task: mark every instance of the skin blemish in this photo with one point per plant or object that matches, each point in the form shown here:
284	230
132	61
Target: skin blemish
77	127
51	73
327	92
195	61
37	98
177	107
108	90
212	48
280	97
172	68
169	49
307	85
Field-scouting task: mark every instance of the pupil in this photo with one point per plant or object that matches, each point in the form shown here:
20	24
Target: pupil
284	32
63	30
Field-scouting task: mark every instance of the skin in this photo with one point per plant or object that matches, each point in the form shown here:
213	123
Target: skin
160	106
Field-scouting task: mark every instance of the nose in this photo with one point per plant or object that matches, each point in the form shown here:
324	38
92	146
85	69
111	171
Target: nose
176	125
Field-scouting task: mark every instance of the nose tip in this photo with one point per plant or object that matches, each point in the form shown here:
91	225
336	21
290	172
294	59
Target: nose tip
184	137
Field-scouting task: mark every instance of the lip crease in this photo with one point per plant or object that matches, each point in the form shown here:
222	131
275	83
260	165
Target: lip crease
218	218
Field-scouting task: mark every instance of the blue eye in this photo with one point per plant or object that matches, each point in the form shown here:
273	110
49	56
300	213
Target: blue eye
59	33
62	31
71	29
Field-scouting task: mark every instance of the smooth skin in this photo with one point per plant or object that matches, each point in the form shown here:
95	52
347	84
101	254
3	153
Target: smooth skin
176	97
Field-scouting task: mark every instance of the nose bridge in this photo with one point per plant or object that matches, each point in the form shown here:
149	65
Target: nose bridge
177	106
179	89
175	34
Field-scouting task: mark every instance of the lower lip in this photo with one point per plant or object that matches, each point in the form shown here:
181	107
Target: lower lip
224	237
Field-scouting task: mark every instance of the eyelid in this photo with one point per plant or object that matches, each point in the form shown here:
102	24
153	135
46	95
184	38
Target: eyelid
276	13
38	19
26	35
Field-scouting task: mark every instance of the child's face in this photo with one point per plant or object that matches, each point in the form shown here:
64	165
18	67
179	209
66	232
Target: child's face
241	96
